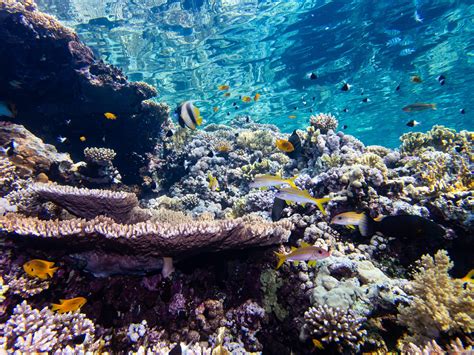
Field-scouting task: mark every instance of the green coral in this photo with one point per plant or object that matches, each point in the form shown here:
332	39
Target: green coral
271	282
331	161
250	170
438	138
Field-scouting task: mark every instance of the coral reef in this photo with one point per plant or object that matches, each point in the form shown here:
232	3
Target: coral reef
323	122
440	305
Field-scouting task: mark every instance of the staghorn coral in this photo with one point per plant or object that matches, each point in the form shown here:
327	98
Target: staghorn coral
100	156
31	330
432	347
89	203
155	239
324	122
440	305
333	325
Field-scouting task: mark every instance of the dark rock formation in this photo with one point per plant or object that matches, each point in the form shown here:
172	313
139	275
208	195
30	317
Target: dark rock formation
59	88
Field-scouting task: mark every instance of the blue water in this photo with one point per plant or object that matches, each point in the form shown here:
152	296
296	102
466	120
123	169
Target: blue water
187	48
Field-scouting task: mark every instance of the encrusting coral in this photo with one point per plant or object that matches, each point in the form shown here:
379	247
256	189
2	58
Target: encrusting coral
441	305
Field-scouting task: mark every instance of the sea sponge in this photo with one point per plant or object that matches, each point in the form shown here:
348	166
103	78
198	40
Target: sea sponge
441	305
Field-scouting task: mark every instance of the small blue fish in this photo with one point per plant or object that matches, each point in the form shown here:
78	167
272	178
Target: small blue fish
394	41
406	51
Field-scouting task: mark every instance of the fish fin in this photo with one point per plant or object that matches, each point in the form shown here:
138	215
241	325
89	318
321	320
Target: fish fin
312	263
56	307
289	203
304	244
366	226
291	181
469	277
199	120
264	188
293	248
319	202
51	271
350	226
281	259
296	263
379	218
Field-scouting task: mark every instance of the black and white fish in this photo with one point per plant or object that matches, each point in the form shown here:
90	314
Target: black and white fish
188	115
61	139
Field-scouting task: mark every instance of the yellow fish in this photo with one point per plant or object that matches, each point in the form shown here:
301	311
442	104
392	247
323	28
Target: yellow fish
39	268
223	87
246	99
256	97
213	183
318	344
291	116
284	145
301	196
82	138
469	277
110	116
70	305
306	252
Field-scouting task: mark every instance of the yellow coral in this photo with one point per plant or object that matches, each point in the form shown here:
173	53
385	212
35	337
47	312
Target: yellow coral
223	146
257	140
441	305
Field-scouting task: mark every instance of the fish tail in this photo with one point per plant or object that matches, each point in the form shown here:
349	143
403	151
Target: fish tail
56	307
51	271
319	202
291	182
281	259
469	277
366	225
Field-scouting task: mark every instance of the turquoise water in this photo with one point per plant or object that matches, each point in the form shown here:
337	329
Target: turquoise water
187	48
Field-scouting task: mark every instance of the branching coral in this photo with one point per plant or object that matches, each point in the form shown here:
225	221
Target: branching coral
324	122
20	284
440	305
7	175
374	161
333	325
30	330
99	156
257	140
223	146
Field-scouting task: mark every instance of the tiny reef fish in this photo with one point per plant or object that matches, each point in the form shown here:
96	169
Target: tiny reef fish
227	94
306	252
256	97
317	344
7	109
301	196
346	87
271	180
469	277
82	138
291	116
246	99
401	226
441	80
223	87
39	268
70	305
213	183
419	106
110	116
61	139
313	76
215	109
188	115
413	123
284	145
416	79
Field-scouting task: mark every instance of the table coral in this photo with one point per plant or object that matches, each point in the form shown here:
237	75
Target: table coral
441	305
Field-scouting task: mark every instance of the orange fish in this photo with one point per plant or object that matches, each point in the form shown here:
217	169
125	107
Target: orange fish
291	116
256	97
284	145
227	94
215	109
82	138
223	87
70	305
39	268
246	99
416	79
110	116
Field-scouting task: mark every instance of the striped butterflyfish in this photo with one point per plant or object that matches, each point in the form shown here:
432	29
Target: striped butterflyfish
188	115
